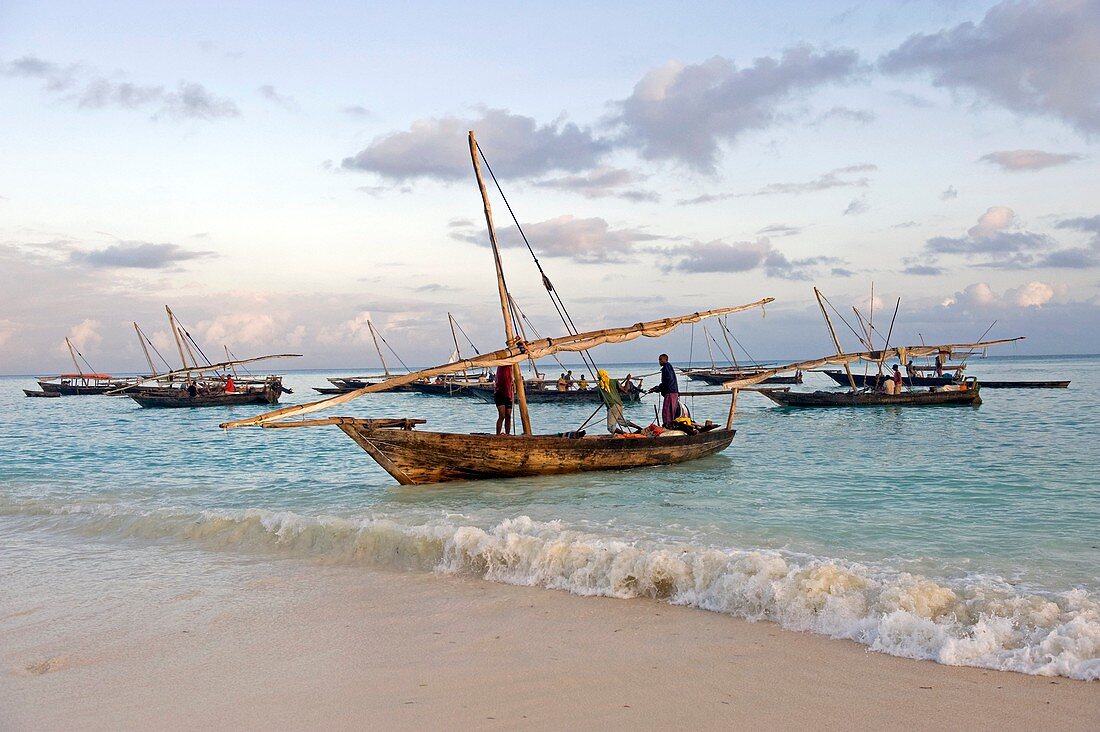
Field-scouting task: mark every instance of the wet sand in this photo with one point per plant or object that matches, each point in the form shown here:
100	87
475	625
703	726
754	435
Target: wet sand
300	646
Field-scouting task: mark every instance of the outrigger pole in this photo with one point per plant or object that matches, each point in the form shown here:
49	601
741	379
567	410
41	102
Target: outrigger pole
502	288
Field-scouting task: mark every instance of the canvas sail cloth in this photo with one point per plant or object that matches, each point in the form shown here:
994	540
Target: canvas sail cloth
902	353
505	357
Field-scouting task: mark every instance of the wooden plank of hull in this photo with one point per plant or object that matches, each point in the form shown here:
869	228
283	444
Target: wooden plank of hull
33	393
869	380
415	458
787	398
166	401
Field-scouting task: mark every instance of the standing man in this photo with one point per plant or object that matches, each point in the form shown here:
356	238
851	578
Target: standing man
504	393
611	393
669	389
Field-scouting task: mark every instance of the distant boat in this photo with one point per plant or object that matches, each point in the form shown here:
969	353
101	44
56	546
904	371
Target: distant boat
82	382
721	375
216	384
257	391
962	395
967	392
36	393
549	394
868	380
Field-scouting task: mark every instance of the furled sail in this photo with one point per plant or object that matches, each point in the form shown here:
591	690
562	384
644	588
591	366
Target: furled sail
507	356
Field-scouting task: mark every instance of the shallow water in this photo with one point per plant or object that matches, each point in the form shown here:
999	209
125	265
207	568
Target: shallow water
964	535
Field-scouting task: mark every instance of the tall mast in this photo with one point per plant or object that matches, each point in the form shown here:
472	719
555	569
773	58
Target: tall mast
145	350
176	334
72	355
836	341
374	337
502	288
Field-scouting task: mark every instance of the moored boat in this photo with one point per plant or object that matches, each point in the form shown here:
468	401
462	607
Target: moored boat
720	376
962	395
37	393
868	380
266	391
82	384
415	457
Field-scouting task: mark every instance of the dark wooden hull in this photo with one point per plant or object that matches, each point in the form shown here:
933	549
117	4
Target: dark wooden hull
553	396
863	380
342	386
78	389
1025	384
415	458
151	400
786	398
33	393
720	377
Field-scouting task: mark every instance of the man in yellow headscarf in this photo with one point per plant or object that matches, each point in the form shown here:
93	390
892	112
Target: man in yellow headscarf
611	391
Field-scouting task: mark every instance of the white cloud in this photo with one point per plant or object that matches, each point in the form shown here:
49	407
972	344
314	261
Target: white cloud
587	241
1024	160
683	112
980	296
516	146
1032	57
237	329
354	330
84	335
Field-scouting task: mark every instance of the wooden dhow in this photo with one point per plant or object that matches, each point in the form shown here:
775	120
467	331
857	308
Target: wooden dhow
966	393
415	457
81	383
868	380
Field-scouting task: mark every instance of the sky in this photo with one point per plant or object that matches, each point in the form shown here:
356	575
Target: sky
279	173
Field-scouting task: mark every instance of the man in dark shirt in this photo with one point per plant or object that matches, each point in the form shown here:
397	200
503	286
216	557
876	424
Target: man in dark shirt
669	389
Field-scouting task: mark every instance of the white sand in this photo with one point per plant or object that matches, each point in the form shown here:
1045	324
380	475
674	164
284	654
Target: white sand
298	646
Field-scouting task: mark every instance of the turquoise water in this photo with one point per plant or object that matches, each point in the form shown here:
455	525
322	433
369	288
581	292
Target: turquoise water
964	535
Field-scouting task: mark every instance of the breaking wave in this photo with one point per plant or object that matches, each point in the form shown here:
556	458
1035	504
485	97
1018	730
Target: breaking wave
980	622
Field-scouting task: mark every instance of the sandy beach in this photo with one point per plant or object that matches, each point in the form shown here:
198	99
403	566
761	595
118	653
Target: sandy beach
301	646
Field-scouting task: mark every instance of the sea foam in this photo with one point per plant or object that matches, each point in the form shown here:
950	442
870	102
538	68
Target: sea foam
965	622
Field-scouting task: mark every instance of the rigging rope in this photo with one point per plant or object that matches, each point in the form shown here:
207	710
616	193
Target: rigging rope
857	335
89	365
392	351
555	298
153	346
725	327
